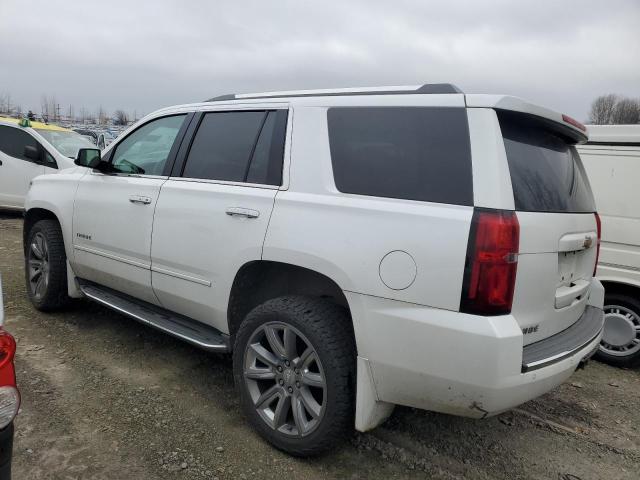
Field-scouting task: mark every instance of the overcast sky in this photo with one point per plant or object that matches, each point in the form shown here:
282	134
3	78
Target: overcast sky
142	55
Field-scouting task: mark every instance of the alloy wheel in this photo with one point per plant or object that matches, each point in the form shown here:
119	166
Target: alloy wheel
38	265
285	379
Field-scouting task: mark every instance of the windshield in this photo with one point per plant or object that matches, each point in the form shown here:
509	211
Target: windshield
67	143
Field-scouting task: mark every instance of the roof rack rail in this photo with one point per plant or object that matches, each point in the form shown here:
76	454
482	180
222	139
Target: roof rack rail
427	88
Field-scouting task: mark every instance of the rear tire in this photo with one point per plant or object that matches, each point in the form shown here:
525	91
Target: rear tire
620	345
45	265
310	375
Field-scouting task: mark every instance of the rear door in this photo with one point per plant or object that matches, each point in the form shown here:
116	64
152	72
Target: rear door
558	231
213	212
16	170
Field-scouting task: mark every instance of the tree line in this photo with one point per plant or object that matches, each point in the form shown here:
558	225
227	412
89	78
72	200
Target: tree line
615	109
608	109
52	111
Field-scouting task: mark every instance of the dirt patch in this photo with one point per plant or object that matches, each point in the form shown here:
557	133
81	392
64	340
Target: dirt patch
107	398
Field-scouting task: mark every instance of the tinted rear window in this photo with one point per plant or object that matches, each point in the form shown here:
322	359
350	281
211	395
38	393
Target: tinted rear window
546	172
414	153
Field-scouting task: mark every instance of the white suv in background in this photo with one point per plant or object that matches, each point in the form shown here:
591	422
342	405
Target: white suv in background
29	149
355	249
612	160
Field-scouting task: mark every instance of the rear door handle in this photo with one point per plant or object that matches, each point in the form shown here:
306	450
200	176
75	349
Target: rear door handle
140	199
242	212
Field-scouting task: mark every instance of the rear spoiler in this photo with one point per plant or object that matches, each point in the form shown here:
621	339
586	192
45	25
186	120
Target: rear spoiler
563	124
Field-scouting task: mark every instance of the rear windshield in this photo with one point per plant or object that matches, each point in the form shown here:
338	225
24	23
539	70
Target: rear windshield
414	153
546	172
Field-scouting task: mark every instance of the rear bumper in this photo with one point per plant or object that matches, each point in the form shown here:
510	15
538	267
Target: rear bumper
462	364
564	344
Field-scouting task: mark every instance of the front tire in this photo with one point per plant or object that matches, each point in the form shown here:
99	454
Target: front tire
294	365
620	345
45	265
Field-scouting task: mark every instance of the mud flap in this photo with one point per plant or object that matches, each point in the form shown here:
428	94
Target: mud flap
72	287
370	411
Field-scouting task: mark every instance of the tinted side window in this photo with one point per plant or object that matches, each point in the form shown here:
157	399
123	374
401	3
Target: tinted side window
238	147
414	153
545	168
146	150
13	141
266	164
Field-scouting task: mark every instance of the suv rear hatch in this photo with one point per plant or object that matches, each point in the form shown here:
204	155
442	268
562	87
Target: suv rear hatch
558	227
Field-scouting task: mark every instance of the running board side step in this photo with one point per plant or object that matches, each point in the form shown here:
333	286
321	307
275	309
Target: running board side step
184	328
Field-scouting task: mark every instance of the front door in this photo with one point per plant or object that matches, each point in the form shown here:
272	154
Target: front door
113	213
16	170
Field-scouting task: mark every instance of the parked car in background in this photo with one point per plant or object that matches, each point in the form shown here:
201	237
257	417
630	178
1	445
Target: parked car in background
104	140
99	138
88	134
381	246
29	149
9	396
612	161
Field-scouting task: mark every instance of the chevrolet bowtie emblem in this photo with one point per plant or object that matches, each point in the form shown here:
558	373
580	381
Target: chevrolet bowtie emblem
587	242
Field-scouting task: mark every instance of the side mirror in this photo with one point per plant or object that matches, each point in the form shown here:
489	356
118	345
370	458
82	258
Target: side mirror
89	157
32	153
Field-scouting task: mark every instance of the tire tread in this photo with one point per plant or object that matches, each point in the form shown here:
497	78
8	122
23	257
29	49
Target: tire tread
56	296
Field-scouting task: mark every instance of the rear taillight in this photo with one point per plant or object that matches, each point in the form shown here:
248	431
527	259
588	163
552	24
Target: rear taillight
7	352
492	260
9	395
599	227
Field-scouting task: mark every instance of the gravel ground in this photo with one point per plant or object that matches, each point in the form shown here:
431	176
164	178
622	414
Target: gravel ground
105	398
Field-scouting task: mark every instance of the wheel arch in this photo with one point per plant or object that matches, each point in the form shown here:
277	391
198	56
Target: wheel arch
260	280
31	217
615	286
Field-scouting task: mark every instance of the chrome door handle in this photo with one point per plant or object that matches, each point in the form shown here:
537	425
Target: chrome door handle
140	199
242	212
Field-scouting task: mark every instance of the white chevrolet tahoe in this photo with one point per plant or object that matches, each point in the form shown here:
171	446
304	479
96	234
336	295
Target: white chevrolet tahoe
355	249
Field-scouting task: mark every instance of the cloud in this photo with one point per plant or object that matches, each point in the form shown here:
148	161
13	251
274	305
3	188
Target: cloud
144	55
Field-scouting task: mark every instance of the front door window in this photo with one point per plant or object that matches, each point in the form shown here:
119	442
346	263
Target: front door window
146	150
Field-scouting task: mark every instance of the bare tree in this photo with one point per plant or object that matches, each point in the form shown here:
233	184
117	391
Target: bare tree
8	109
53	108
44	107
102	115
120	117
5	104
602	109
627	112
